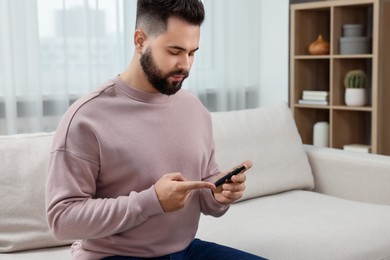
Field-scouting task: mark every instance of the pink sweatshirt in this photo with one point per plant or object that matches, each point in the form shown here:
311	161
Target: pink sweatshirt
110	148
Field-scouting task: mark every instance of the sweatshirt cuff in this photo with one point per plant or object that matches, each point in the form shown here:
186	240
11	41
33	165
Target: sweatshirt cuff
149	203
217	209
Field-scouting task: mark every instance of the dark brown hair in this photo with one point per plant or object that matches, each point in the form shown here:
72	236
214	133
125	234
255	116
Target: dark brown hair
152	15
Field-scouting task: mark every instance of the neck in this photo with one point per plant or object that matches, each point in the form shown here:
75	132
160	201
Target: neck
136	78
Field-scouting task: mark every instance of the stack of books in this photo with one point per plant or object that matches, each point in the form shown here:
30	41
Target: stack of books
357	148
314	97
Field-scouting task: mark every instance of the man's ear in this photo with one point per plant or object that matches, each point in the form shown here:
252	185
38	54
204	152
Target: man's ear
139	40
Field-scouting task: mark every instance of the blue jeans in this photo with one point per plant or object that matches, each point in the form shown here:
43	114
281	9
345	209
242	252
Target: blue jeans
199	249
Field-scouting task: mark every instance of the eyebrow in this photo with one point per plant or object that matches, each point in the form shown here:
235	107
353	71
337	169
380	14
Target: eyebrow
181	48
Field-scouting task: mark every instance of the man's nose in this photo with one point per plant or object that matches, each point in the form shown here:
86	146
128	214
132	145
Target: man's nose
185	62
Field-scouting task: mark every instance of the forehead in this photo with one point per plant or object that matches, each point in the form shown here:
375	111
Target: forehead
179	33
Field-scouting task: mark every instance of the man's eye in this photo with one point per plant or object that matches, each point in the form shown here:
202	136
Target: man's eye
174	52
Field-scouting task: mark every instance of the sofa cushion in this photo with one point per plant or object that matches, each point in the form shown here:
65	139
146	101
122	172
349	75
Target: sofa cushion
269	138
53	253
303	225
24	161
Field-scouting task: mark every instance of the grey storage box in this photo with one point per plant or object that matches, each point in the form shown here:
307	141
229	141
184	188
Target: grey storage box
355	45
353	30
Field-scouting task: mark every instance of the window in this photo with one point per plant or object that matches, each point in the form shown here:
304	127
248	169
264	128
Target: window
58	50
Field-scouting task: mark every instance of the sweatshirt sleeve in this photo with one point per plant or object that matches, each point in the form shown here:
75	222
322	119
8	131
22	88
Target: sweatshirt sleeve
74	213
209	205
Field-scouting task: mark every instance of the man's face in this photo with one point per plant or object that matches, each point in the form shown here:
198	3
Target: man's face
168	83
168	59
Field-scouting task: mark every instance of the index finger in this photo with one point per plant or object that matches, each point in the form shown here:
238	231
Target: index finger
194	185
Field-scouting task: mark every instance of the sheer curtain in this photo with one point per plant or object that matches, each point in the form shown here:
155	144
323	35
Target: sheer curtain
225	74
54	51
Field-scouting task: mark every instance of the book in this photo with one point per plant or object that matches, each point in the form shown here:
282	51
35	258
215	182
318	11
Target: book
313	102
314	97
357	148
316	93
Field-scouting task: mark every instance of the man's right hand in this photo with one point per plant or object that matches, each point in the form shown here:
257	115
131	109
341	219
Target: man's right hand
173	190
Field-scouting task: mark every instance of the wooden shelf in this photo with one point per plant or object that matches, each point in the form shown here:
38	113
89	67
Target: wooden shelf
353	56
368	109
369	124
336	56
311	57
312	106
365	108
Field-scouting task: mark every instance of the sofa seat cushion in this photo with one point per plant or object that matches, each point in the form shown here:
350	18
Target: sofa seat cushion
269	137
53	253
303	225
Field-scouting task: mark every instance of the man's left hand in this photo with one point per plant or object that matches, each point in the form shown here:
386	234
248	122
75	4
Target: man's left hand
234	189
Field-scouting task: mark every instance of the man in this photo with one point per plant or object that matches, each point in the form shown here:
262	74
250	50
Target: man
133	163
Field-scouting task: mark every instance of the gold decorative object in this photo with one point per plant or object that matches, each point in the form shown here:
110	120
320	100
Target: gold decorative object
319	46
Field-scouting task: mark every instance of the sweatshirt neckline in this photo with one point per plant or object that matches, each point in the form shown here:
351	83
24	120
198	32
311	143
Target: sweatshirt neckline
139	94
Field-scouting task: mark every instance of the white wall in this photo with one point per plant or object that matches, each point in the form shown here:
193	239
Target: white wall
274	59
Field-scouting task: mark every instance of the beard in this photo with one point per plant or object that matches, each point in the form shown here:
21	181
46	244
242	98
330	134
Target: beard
159	80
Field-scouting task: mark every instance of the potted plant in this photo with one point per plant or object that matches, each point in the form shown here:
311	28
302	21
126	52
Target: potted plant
355	88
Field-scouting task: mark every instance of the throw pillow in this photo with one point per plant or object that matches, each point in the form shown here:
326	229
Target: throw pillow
269	138
24	161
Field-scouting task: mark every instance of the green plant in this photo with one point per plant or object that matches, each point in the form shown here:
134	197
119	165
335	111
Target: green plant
355	79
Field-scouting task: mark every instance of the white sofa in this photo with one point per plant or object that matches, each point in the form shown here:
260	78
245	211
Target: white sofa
302	202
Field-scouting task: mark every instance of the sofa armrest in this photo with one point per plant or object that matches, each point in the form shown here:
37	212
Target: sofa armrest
350	175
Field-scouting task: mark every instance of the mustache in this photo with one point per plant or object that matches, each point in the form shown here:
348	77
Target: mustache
185	73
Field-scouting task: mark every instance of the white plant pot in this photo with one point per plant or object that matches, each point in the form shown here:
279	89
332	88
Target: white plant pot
355	96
